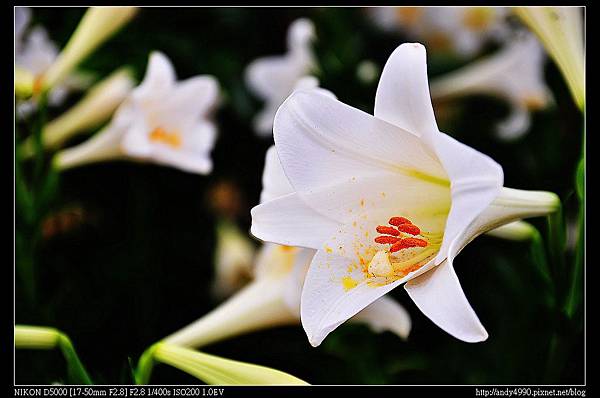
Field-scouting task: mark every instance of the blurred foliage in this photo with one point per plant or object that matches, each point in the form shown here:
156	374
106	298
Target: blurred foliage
136	263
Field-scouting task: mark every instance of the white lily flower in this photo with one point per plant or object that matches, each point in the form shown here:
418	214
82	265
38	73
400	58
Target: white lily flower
463	30
34	55
561	31
94	108
273	297
162	121
234	257
515	73
356	176
273	78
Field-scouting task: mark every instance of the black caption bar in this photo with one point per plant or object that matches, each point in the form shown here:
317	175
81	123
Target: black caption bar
292	391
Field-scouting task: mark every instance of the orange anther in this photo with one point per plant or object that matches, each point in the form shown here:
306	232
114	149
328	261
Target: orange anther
407	243
387	230
415	242
409	229
385	240
397	246
399	221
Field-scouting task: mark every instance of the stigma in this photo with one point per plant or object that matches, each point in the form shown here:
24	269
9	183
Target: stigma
406	253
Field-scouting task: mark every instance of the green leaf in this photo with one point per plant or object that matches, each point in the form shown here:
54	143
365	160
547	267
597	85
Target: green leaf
579	179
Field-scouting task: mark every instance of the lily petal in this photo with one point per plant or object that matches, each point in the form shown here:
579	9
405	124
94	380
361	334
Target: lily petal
99	103
438	292
516	124
403	99
333	139
105	145
287	220
402	96
440	297
327	302
385	314
257	306
272	76
160	76
274	180
516	230
191	96
476	181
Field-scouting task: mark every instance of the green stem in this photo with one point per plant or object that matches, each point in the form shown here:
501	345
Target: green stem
556	250
37	139
145	365
75	368
575	288
540	260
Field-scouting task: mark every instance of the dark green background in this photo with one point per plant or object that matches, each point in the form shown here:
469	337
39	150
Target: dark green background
139	265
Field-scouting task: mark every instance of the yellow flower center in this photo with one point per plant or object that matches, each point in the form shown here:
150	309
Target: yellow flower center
478	18
409	248
163	136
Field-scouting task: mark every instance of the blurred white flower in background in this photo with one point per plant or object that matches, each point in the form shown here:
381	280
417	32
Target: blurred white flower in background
273	297
35	53
515	73
98	105
234	259
162	121
273	78
561	30
462	30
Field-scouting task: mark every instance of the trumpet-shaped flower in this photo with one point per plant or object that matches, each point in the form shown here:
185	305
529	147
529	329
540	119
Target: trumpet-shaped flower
34	54
463	30
96	26
273	78
93	109
162	120
561	31
273	297
516	230
385	200
216	370
515	73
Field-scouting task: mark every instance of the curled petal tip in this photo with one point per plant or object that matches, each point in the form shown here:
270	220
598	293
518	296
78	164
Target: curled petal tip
314	341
